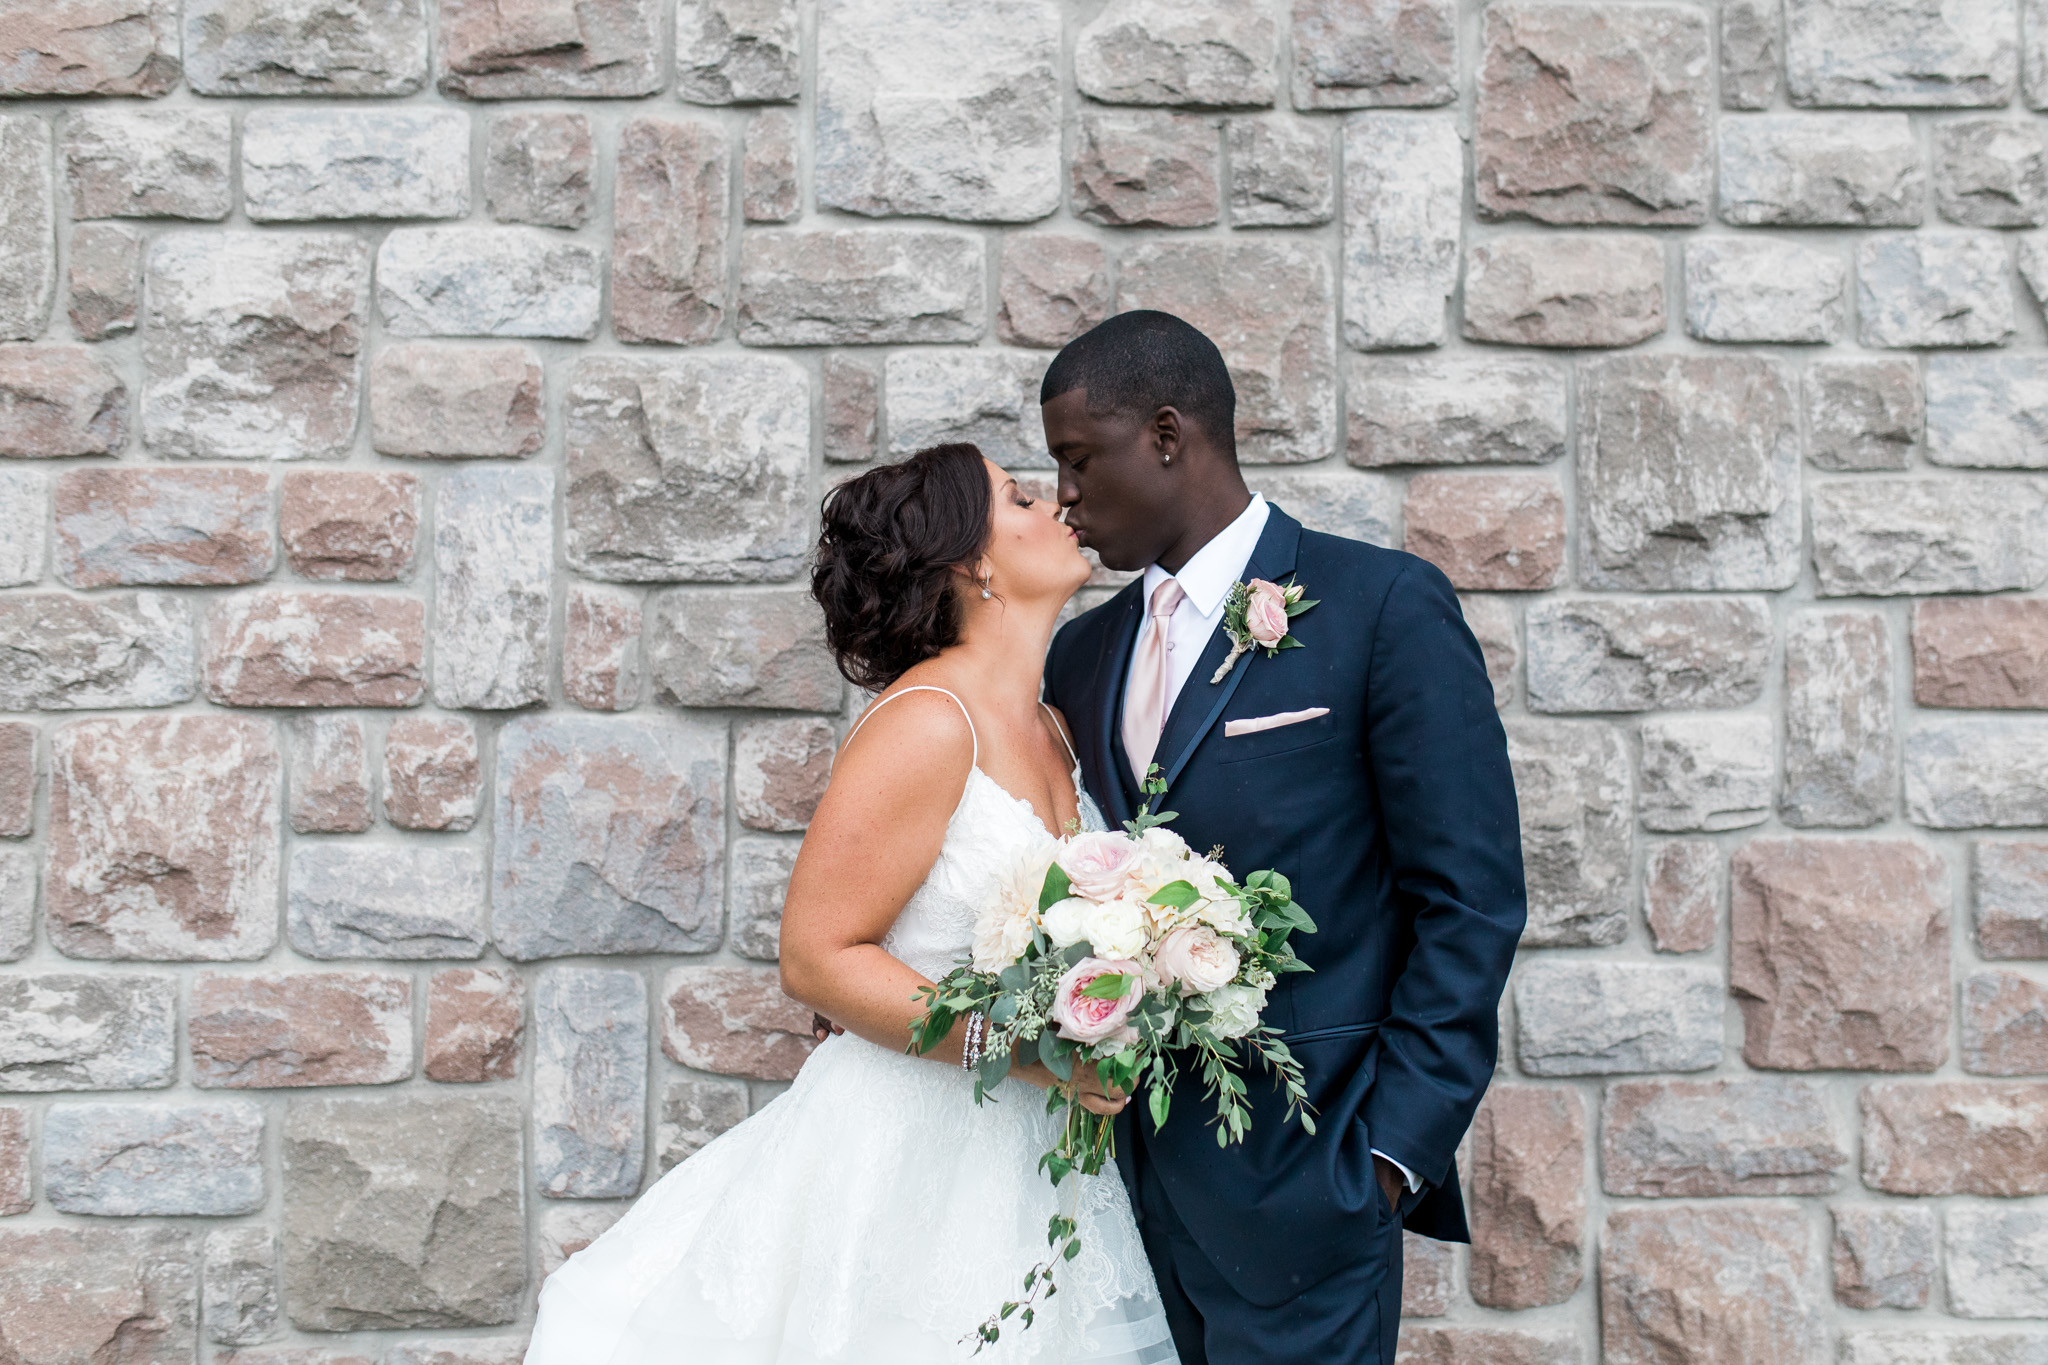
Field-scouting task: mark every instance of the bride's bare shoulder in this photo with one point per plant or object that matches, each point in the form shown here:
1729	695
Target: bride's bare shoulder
918	728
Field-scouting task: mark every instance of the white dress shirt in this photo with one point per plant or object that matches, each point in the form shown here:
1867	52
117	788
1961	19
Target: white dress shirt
1207	579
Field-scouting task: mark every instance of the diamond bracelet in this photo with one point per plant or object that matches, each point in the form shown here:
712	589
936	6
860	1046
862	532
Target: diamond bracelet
975	1042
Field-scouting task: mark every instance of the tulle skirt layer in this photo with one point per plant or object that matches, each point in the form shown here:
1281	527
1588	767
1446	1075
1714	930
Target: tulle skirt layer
873	1215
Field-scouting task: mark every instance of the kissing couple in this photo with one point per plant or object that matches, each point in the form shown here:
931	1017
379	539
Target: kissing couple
874	1212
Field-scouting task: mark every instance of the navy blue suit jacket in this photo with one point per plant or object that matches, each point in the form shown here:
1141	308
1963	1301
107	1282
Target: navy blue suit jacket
1394	816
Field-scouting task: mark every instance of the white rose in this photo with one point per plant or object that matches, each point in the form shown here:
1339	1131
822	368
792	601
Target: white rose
1164	844
1064	921
1234	1010
1226	916
1114	928
1198	959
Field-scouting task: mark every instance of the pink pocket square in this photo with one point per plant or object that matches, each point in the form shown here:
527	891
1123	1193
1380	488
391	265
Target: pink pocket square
1251	725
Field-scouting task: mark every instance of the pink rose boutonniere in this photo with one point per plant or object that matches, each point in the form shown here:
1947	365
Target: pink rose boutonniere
1256	616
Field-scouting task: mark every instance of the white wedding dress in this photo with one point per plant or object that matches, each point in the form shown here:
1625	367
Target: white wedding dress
873	1214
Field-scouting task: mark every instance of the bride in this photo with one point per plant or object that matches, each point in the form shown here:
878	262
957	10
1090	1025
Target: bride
875	1214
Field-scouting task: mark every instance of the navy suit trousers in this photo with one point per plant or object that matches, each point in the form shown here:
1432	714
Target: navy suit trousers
1351	1318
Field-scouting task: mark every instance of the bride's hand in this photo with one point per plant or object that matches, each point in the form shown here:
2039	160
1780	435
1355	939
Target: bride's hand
1096	1095
1090	1090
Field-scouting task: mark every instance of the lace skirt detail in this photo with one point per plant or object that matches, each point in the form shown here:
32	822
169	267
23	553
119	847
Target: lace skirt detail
871	1214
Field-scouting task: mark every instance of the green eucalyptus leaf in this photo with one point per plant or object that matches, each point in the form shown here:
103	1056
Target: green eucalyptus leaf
1178	894
1057	887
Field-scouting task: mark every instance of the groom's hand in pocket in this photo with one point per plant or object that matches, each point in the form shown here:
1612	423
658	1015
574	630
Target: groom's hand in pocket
1391	1183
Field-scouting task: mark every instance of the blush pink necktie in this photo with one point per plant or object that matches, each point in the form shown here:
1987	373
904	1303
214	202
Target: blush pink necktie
1145	705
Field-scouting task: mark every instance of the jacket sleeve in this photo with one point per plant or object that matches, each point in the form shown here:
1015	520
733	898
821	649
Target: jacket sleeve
1439	762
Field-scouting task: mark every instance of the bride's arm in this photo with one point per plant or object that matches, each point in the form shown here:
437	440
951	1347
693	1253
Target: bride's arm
873	840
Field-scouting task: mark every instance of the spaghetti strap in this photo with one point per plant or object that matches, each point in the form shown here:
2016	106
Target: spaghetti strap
1061	731
921	687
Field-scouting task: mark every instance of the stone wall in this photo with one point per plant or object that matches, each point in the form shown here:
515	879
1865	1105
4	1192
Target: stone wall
410	436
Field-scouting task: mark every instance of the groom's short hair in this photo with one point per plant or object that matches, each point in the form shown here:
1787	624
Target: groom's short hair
1139	362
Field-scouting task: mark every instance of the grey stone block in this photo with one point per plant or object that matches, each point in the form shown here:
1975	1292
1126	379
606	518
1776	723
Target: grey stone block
589	1083
1688	473
609	837
398	901
1646	653
494	560
1572	786
983	146
1583	1018
79	1031
1913	536
1977	773
487	281
132	1160
403	1211
385	163
727	496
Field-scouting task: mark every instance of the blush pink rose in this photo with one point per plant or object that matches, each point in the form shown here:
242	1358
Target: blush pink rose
1083	1019
1198	958
1098	865
1265	612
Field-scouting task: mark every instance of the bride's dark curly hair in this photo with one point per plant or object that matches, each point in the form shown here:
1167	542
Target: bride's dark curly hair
884	568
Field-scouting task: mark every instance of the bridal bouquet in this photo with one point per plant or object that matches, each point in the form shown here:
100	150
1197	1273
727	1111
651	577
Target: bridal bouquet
1135	953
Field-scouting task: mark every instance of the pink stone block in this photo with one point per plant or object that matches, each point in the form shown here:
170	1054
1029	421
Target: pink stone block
734	1021
163	838
185	527
780	768
1528	1196
433	775
1840	956
1975	653
350	524
601	649
1489	532
316	649
300	1029
475	1020
1956	1137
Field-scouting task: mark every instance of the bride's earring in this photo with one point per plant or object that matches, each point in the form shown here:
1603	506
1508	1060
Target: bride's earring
985	593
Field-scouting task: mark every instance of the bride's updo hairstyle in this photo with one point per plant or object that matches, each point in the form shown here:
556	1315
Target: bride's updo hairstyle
884	569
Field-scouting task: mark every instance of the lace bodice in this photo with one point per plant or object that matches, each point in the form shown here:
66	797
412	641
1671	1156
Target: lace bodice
992	835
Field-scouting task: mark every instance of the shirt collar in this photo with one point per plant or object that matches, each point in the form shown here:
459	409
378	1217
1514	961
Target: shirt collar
1209	573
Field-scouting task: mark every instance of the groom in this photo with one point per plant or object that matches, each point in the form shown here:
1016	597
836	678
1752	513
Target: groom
1369	766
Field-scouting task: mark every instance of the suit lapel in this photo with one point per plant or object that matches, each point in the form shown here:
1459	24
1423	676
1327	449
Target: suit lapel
1200	701
1106	690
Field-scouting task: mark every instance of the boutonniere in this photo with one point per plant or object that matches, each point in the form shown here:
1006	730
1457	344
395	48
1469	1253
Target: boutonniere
1256	616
